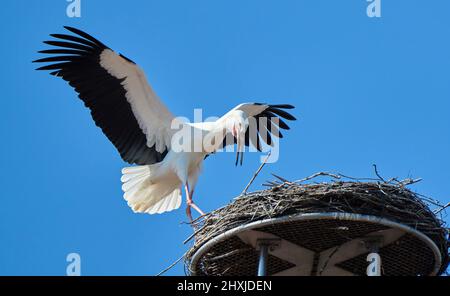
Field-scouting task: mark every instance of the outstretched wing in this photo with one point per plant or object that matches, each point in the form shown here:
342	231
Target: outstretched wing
115	89
264	122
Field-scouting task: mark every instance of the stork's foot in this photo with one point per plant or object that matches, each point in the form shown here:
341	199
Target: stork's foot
197	208
189	213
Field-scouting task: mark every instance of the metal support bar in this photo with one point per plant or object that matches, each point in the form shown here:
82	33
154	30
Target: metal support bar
264	245
262	266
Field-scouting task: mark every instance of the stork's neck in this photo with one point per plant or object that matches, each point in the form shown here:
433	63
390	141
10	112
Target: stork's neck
221	126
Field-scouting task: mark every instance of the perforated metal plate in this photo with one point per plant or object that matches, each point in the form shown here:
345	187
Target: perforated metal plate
319	244
407	256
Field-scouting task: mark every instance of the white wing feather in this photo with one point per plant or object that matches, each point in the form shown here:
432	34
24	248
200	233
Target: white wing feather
152	115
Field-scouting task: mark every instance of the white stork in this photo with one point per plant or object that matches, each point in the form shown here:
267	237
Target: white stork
139	125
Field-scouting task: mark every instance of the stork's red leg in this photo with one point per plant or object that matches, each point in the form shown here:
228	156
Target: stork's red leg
190	203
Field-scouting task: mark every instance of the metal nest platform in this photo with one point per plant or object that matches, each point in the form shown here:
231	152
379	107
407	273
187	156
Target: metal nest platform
337	228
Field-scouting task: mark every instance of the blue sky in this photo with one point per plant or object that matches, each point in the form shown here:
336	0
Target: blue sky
366	90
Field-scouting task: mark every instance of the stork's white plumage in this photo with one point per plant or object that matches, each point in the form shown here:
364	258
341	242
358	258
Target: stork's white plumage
140	126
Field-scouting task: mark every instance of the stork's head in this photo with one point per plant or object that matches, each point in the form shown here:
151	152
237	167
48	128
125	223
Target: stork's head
237	124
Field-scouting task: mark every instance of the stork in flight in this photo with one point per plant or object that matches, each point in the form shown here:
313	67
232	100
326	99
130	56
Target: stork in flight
140	126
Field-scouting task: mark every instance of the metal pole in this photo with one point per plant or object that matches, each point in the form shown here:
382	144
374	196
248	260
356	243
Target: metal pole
262	266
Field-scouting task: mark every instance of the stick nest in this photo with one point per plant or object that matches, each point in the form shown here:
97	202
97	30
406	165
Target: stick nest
382	199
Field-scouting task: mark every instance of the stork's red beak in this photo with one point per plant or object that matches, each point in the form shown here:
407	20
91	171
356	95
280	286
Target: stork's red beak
234	132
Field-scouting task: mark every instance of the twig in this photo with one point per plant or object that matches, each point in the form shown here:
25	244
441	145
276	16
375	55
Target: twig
378	175
270	184
442	208
196	220
256	174
357	179
285	181
317	175
193	234
411	181
381	189
429	200
407	181
171	265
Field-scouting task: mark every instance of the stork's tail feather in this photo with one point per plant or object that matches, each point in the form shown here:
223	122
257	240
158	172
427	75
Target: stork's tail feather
145	195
